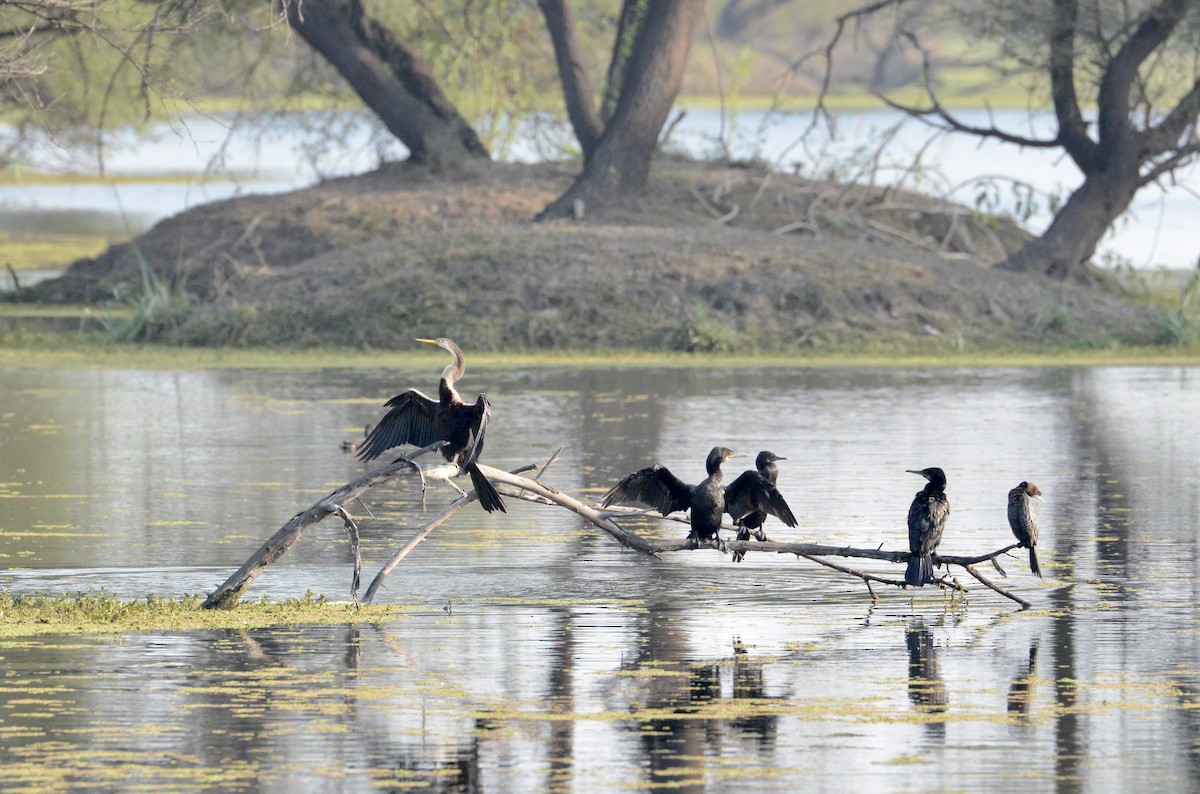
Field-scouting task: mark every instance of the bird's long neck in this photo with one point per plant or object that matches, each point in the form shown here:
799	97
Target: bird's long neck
450	375
447	394
770	471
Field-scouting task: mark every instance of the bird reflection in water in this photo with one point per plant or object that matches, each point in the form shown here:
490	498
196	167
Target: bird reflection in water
748	685
680	737
1024	687
926	689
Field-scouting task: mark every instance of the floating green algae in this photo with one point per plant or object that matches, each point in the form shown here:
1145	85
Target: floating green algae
101	612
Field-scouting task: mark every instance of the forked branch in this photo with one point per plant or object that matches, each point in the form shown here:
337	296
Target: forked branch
516	486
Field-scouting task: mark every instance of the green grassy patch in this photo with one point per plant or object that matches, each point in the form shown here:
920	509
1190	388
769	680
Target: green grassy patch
92	612
21	176
96	352
48	251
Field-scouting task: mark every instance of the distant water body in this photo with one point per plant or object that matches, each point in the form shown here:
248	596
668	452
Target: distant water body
213	163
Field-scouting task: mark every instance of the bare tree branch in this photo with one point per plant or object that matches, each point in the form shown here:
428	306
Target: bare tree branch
1122	71
1166	135
948	122
1072	130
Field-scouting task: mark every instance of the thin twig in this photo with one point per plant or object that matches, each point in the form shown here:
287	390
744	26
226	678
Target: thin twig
353	535
990	584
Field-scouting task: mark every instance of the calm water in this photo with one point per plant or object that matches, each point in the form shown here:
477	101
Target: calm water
540	656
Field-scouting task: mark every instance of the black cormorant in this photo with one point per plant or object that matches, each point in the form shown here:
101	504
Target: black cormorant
748	491
420	421
1023	521
926	522
655	486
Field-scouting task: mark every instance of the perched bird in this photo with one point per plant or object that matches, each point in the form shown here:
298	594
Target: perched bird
657	487
420	421
748	492
351	445
926	522
1023	521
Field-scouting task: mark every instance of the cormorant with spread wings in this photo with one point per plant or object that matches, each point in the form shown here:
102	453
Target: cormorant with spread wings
655	486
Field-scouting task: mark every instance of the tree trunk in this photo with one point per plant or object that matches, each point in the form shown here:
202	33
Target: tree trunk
579	92
621	163
391	79
1078	227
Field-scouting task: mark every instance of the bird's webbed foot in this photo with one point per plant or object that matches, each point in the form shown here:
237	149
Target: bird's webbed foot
760	535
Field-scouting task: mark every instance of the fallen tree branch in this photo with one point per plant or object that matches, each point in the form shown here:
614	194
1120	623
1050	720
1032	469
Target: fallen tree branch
226	596
513	485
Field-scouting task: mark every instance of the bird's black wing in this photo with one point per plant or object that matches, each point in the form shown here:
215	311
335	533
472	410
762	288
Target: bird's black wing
655	487
751	492
409	422
926	522
480	413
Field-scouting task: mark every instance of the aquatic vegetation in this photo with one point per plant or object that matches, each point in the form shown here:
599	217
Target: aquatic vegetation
103	612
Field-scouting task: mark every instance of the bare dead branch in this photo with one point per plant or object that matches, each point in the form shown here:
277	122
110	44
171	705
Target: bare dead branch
514	485
226	596
988	583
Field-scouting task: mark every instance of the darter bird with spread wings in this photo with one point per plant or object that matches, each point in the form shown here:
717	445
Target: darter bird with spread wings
417	420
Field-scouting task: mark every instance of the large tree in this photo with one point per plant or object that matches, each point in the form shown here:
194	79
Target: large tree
392	80
1124	89
617	129
651	51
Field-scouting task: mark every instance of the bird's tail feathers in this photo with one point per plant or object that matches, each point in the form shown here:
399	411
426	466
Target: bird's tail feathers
920	570
1033	562
489	497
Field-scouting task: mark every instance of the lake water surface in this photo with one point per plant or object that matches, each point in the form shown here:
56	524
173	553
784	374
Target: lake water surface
538	655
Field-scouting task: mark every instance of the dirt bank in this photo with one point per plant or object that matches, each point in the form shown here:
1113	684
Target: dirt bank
712	259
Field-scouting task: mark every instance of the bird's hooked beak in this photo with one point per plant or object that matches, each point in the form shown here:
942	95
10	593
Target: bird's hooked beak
914	471
1038	496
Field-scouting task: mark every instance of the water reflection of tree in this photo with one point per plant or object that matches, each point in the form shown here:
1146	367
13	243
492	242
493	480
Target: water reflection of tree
926	688
1130	465
242	735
